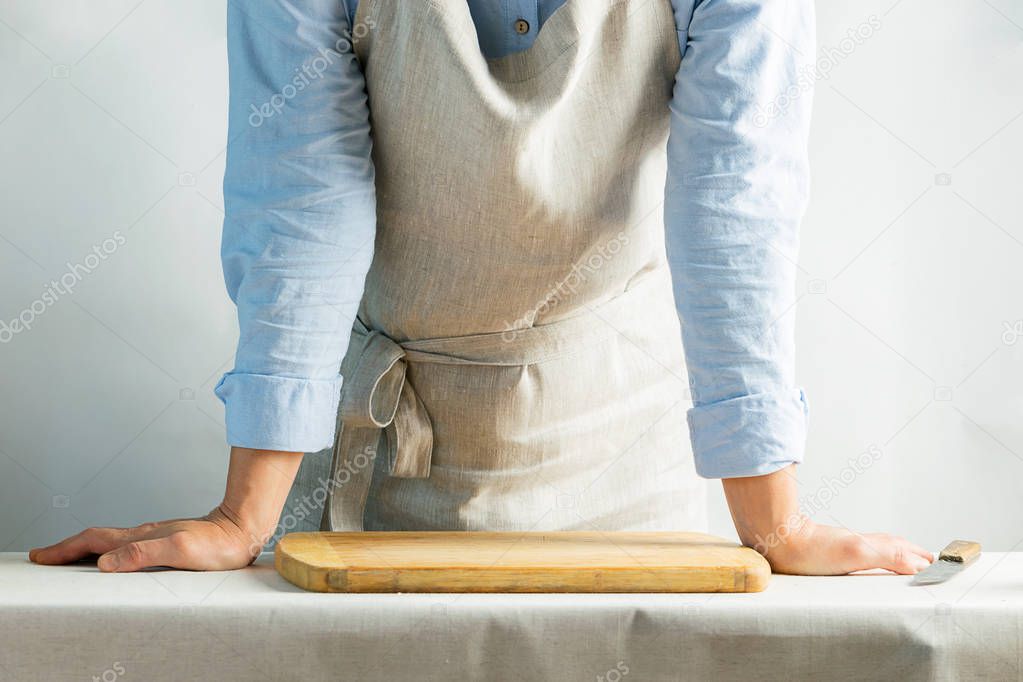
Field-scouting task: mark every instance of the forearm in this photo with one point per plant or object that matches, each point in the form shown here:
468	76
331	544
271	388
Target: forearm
258	482
766	513
765	509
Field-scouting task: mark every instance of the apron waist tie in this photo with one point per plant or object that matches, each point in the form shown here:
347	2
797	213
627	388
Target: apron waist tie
377	395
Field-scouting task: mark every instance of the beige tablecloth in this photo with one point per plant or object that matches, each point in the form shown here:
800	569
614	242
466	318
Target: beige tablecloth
74	623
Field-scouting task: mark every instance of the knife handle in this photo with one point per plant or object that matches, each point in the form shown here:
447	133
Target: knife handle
960	551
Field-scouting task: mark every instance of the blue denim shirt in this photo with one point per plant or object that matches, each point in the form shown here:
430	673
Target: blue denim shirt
300	215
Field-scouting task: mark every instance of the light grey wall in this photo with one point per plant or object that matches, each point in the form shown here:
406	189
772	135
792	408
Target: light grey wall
910	320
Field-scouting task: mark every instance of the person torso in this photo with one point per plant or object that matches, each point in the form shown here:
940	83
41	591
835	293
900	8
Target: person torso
521	193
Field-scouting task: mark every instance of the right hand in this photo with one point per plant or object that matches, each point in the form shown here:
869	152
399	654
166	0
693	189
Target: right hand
230	536
215	542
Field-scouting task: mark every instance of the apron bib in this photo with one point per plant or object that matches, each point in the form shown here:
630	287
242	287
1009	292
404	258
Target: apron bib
517	360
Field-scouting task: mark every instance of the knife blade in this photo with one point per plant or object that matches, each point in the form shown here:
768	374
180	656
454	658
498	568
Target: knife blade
956	556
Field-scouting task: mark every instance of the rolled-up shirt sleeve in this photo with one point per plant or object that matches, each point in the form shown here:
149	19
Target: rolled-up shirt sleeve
737	188
299	218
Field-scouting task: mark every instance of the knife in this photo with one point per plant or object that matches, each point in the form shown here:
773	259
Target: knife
954	558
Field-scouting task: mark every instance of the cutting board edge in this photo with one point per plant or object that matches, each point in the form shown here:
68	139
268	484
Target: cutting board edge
757	577
546	581
638	581
296	572
749	579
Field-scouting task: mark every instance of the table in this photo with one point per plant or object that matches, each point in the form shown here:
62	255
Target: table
72	622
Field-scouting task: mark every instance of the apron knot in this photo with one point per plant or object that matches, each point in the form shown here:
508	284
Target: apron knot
376	394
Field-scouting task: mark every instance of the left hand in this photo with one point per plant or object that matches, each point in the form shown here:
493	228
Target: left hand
765	510
826	550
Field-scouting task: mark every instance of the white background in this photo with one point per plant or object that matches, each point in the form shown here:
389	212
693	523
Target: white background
113	122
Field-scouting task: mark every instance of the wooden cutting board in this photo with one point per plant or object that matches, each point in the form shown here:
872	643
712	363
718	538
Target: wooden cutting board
566	561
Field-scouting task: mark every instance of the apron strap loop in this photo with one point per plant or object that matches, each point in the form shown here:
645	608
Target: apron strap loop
372	388
376	394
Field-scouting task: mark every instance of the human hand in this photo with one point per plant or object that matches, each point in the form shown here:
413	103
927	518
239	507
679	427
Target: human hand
230	536
813	549
765	510
215	542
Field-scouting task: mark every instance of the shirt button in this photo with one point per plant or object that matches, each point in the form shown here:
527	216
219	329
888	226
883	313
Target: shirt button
521	26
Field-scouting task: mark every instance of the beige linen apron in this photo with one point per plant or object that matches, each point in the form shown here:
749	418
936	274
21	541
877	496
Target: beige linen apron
517	360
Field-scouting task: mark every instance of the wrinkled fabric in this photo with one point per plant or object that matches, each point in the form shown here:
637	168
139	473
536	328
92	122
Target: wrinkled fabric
75	623
301	215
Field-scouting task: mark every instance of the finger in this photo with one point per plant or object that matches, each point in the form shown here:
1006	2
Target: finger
891	554
917	549
904	560
89	541
135	556
911	547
